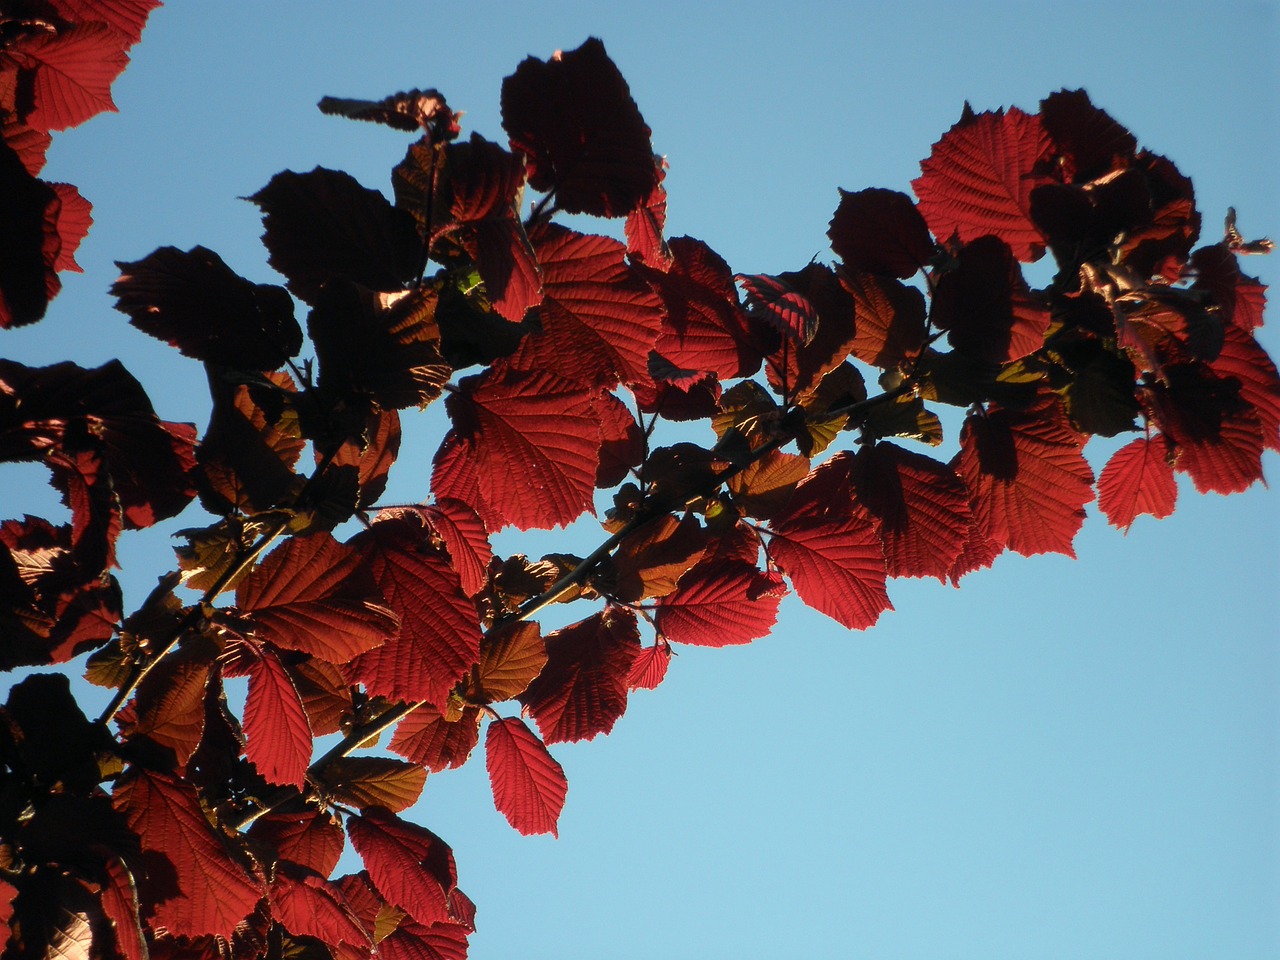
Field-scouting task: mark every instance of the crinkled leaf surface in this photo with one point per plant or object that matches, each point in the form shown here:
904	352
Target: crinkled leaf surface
427	738
836	566
719	603
312	838
408	864
466	538
275	722
1137	479
529	786
365	782
512	656
71	73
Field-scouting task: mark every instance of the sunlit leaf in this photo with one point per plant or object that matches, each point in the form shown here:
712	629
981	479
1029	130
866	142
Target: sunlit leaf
529	787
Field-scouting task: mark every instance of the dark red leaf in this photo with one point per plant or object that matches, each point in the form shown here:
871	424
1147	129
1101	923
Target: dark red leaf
581	133
415	941
1138	479
719	603
803	364
197	303
985	306
533	440
313	838
706	329
1241	297
645	225
466	539
372	453
529	787
316	595
120	907
880	231
71	73
409	865
1087	139
582	691
979	177
1242	359
408	110
74	217
598	320
309	906
206	892
29	243
776	302
170	706
891	326
439	636
323	225
622	444
922	507
427	738
29	144
128	17
1028	481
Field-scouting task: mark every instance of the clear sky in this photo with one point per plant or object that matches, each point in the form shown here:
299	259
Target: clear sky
1061	758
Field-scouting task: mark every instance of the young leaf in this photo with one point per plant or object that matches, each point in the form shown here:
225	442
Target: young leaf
649	668
581	133
365	782
719	603
651	561
312	838
512	656
533	441
1138	479
529	787
582	690
212	892
410	866
197	303
314	594
979	177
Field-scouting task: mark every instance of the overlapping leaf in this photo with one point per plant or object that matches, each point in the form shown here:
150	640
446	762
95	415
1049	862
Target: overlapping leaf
366	782
313	838
315	595
275	721
890	329
512	656
466	539
718	603
70	73
978	180
837	567
426	737
581	133
598	320
582	690
307	905
439	636
651	561
529	786
880	231
531	439
408	864
197	303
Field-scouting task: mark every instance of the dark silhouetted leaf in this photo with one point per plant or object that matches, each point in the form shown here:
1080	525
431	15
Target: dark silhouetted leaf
582	135
880	231
1091	143
409	110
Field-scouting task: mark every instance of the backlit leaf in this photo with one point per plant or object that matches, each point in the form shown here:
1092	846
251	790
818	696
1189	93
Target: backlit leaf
415	941
1138	479
650	561
979	177
314	594
427	738
532	438
275	722
1242	359
309	906
837	567
782	306
212	892
582	690
73	221
120	907
375	782
511	656
890	325
466	538
409	865
439	636
529	787
581	133
880	231
649	668
719	603
72	72
645	225
1088	139
313	838
170	703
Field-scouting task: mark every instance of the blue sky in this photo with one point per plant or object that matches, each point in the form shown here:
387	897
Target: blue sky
1060	759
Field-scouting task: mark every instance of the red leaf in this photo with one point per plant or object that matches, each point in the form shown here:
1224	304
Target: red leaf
439	637
979	552
529	787
650	561
598	319
622	444
1242	359
582	691
313	838
170	703
415	941
372	453
198	304
837	567
513	655
922	507
880	231
309	906
1138	479
323	225
73	70
650	667
315	595
1028	481
581	133
275	722
979	177
126	16
427	738
784	308
212	892
805	364
467	540
120	906
645	224
409	865
1090	142
533	439
29	144
73	221
325	693
706	329
719	603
